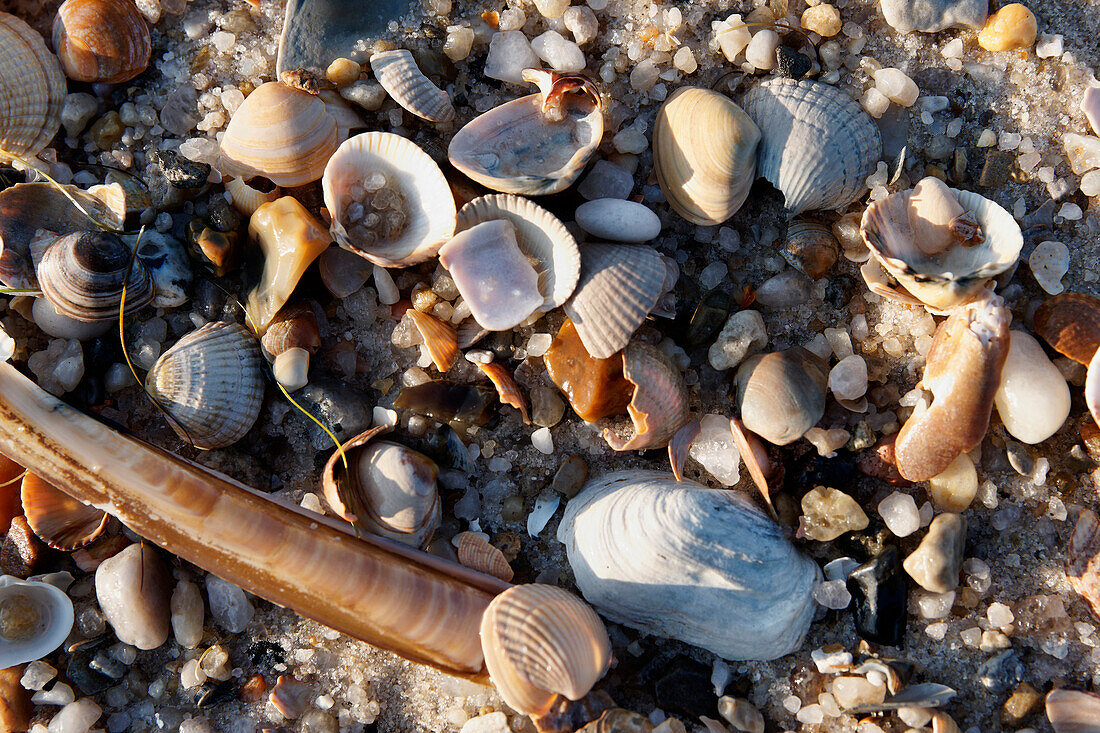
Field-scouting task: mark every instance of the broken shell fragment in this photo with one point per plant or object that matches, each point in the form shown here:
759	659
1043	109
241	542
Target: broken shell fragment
507	389
680	445
781	395
57	519
679	560
595	388
475	552
399	75
83	275
35	618
1092	388
101	40
1083	559
1072	711
1033	399
1070	323
32	90
251	194
294	326
439	338
659	406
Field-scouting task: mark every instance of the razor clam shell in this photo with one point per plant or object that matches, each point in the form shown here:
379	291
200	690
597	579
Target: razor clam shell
57	519
1070	323
210	382
618	287
659	406
781	395
819	145
32	90
56	620
677	559
1073	711
475	552
83	275
399	75
1083	559
541	237
540	641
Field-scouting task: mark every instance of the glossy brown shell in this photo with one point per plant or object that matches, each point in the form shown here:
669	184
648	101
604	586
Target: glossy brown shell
101	40
59	520
1070	323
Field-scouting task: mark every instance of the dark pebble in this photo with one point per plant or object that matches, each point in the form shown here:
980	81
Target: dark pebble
344	411
265	654
179	171
879	590
791	63
105	664
839	291
1001	673
708	318
686	689
222	216
570	476
209	300
997	168
810	470
863	437
81	673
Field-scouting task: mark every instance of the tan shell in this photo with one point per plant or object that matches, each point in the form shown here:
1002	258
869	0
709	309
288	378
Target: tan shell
248	196
439	338
659	406
1070	323
101	40
704	154
57	519
781	395
32	90
294	326
1073	711
475	552
540	641
83	274
810	247
281	133
680	444
399	75
1092	388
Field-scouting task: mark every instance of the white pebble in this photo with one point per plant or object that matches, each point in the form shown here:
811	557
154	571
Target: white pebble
848	379
875	102
509	54
618	220
388	294
76	717
733	36
900	513
543	441
1049	46
581	22
832	594
1070	211
987	139
551	8
562	55
1000	615
715	450
761	50
1049	263
229	606
539	344
896	85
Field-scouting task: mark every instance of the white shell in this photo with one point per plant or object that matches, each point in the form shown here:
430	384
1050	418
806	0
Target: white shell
399	75
680	560
1033	399
818	145
35	619
618	220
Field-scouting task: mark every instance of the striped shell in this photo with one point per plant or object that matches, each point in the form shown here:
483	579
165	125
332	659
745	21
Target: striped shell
475	552
399	75
294	327
818	145
35	618
540	641
250	195
211	383
659	406
438	337
101	40
507	389
32	89
1073	711
57	519
1070	323
82	275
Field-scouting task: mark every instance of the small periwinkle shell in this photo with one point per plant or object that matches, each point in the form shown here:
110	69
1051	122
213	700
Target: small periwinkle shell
82	275
677	559
35	618
101	40
781	395
32	90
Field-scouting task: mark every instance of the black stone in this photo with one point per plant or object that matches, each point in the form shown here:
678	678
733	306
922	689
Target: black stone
211	694
344	411
685	689
104	663
179	171
879	590
810	470
1001	673
791	63
265	654
839	291
708	318
222	216
81	673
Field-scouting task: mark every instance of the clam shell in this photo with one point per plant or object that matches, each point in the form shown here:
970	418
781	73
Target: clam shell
540	641
677	559
704	154
1083	559
541	237
284	134
101	40
248	195
35	618
429	205
659	406
83	274
32	90
475	552
810	247
399	75
1092	388
781	395
618	287
1070	323
1072	711
210	382
57	519
819	145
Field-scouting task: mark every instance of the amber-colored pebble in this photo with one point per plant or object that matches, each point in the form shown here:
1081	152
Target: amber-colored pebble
254	688
1011	27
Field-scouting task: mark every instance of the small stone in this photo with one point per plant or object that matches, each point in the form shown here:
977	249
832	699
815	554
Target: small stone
1011	27
743	335
133	590
906	16
790	63
827	442
684	60
60	694
828	513
831	659
1090	183
1001	673
76	111
187	614
1090	105
606	180
935	605
788	289
761	49
848	379
581	22
509	54
229	605
1049	46
936	562
741	714
290	697
214	663
547	408
543	441
181	172
832	594
191	675
733	36
562	55
999	615
570	476
896	85
21	550
1049	263
716	451
997	168
1083	152
491	723
623	221
643	78
76	717
876	103
552	8
899	512
107	131
810	714
343	272
367	94
459	43
630	140
852	691
712	275
1023	701
37	675
342	72
822	19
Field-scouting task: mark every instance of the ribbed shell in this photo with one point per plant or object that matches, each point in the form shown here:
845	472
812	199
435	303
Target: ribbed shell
294	326
54	622
679	560
618	287
781	395
818	145
82	275
431	207
659	406
538	641
32	90
475	552
1070	323
101	40
541	237
810	247
57	519
211	383
399	75
704	154
247	198
281	133
439	338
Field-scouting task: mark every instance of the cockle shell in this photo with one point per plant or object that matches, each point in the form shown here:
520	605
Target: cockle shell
475	552
101	40
281	133
32	90
1073	711
1070	322
659	406
399	75
57	519
680	560
818	145
539	642
594	387
83	274
35	618
1033	398
211	384
704	154
429	207
252	194
535	145
781	395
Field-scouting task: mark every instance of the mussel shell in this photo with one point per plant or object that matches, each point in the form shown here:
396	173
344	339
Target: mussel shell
399	75
32	90
83	274
35	619
781	395
101	40
1070	322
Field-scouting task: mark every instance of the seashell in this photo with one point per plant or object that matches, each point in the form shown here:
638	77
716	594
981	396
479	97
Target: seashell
281	133
507	389
618	220
390	490
1083	559
57	519
459	405
539	642
294	326
1092	388
438	337
475	552
10	503
1073	711
619	720
1070	322
781	395
291	239
701	565
1033	398
210	383
347	119
251	194
535	145
403	80
388	174
755	455
83	274
540	236
317	32
963	371
659	406
595	388
32	90
810	248
819	145
911	236
35	618
618	287
104	41
680	444
704	154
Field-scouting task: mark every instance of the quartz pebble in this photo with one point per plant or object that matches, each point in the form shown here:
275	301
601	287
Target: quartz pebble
823	19
581	22
77	111
852	691
827	442
229	606
1083	152
60	367
788	289
1011	27
76	717
1033	399
570	476
875	102
906	16
741	714
761	50
715	450
60	694
561	54
848	379
832	594
290	697
829	513
897	86
133	590
937	561
37	674
618	220
490	723
733	36
743	335
899	512
187	614
543	441
606	180
509	54
1049	46
1049	263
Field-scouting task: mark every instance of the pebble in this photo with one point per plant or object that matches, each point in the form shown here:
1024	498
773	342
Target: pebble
167	261
229	606
852	691
848	378
342	72
829	513
1090	105
547	408
545	506
76	717
491	723
562	54
827	442
997	168
1033	399
1023	701
1011	27
716	451
743	335
630	140
1090	183
761	49
713	274
343	272
936	562
77	111
606	180
60	694
187	614
581	22
831	659
618	220
788	289
733	36
509	54
133	590
1049	46
1083	152
832	594
60	367
1001	673
179	171
741	714
822	19
570	476
899	512
684	60
367	94
543	441
897	86
876	103
37	674
880	590
906	16
954	489
1049	263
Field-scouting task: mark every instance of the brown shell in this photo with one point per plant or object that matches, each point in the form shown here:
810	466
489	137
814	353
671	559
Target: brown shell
294	326
59	520
619	720
810	247
439	337
680	444
594	387
1073	711
1070	323
101	40
16	709
475	552
507	389
32	90
660	402
1083	559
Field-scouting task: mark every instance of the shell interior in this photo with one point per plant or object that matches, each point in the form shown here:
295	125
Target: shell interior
660	402
35	619
57	519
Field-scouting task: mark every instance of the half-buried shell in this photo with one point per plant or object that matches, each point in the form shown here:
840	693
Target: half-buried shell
32	90
83	274
1070	323
57	519
399	75
475	552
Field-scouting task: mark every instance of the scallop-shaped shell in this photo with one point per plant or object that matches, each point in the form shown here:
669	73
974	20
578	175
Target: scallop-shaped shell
618	287
677	559
211	383
57	519
294	326
83	274
540	641
958	274
810	247
819	145
438	337
284	134
429	206
101	40
540	236
399	75
659	406
32	90
475	552
535	145
35	618
781	395
1073	711
250	195
1070	323
704	154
